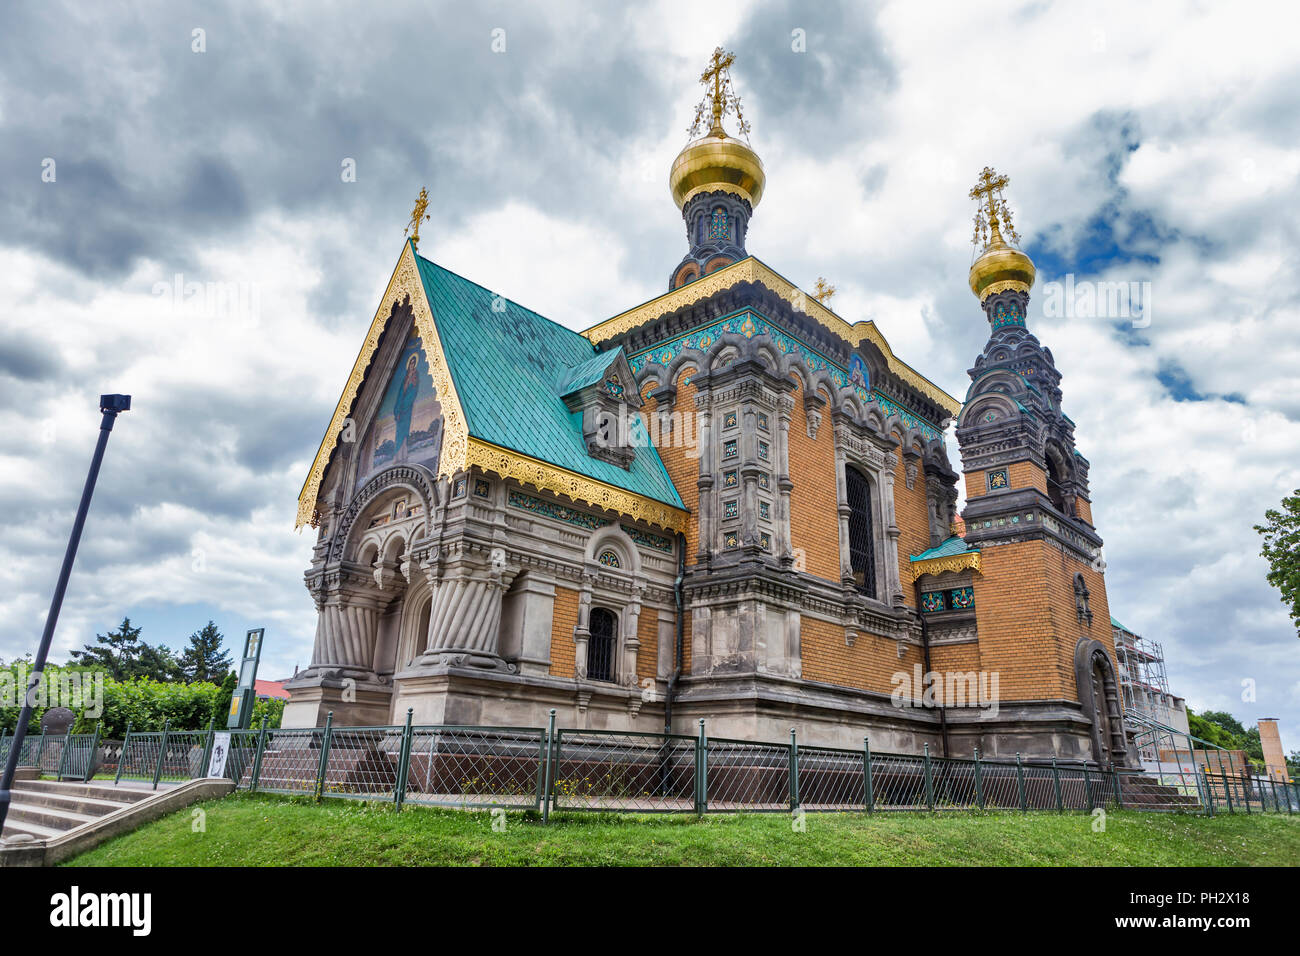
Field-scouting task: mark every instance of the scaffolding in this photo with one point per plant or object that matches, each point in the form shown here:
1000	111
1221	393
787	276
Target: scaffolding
1143	681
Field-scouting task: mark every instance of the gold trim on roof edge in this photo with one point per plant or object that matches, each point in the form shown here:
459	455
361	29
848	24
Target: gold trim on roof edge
404	282
560	481
754	270
949	562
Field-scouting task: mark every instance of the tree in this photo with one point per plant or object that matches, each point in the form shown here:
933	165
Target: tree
204	659
1225	720
221	705
117	652
1282	551
157	663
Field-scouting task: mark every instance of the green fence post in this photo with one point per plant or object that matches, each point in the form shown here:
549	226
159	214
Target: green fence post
162	752
868	796
1020	783
1286	788
1056	781
90	758
207	747
403	762
702	787
1227	791
550	744
257	759
979	780
1114	779
63	756
324	757
121	758
1209	794
1272	783
929	778
1087	787
794	771
1245	788
40	752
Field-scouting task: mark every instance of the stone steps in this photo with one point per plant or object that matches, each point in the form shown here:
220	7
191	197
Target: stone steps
44	809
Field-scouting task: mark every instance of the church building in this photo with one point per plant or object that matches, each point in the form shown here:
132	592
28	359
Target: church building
727	503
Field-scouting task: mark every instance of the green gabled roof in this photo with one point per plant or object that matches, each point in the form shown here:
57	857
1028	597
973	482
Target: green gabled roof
954	545
1115	623
586	373
509	366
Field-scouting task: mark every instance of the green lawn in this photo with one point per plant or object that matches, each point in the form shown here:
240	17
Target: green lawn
262	830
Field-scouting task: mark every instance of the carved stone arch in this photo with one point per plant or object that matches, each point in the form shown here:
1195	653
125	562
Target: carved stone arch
1060	476
414	478
723	346
978	410
875	421
1099	695
767	356
612	538
1003	380
688	359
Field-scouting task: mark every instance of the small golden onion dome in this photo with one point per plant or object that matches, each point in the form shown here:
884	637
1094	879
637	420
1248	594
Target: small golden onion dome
1000	267
717	162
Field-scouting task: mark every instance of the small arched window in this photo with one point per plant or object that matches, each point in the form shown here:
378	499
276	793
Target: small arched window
601	645
1055	488
862	552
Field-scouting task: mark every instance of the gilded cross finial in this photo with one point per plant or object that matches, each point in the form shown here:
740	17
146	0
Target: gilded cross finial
720	97
991	209
822	290
418	216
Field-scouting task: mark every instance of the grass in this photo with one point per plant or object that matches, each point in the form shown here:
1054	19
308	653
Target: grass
263	830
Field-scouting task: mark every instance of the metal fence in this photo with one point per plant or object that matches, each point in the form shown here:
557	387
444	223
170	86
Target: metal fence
66	756
546	768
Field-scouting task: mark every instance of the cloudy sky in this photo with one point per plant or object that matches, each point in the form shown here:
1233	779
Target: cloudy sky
1152	144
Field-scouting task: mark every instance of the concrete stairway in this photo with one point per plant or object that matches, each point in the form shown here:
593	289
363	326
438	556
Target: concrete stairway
1142	792
44	809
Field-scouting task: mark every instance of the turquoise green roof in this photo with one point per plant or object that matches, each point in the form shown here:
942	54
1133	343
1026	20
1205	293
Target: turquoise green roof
512	366
587	373
954	545
1115	623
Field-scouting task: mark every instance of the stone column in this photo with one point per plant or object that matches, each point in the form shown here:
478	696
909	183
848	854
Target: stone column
631	640
465	619
707	531
785	413
842	503
893	586
582	633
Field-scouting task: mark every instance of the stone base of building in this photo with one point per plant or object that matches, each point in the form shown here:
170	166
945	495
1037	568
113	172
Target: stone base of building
758	707
354	702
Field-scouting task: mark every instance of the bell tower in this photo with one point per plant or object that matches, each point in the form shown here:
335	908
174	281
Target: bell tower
1044	625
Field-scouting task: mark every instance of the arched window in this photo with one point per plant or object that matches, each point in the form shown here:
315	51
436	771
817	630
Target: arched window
601	645
1055	491
422	627
862	555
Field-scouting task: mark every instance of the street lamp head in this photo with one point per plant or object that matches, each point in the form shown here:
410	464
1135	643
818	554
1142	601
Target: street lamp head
115	403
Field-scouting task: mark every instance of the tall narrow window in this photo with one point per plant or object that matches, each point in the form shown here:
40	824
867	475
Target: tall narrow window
1054	490
601	645
862	555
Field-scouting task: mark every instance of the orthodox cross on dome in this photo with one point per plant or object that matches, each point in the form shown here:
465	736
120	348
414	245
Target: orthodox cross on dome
720	97
418	216
991	209
822	290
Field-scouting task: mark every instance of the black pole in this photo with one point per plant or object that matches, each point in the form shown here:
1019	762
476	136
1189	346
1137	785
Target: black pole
110	405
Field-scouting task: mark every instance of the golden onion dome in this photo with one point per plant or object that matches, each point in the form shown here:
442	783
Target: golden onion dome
1000	267
717	162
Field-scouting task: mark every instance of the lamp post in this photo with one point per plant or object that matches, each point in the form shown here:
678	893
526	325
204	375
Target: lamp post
110	405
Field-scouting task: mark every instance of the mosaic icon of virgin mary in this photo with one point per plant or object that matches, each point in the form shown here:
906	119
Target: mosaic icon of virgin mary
408	424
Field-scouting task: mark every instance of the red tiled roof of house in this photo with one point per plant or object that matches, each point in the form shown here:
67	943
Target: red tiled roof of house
270	688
